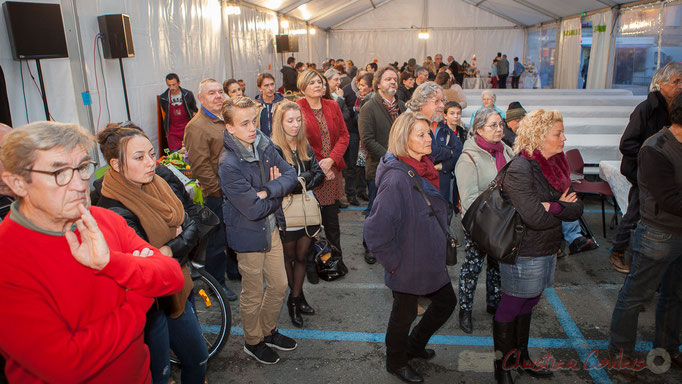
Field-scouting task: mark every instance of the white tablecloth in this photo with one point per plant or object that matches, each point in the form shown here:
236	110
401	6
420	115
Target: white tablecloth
476	83
530	81
609	171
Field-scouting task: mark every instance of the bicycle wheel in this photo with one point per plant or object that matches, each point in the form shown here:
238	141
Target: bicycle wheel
213	312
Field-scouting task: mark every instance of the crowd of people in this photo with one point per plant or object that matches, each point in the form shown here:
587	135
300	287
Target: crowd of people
113	256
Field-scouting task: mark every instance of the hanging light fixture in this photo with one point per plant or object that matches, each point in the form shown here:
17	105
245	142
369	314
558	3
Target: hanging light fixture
312	31
231	8
423	35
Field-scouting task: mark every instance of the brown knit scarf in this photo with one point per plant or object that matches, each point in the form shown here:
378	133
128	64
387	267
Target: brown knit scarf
158	208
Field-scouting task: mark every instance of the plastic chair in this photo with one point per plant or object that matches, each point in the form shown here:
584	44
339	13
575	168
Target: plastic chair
582	186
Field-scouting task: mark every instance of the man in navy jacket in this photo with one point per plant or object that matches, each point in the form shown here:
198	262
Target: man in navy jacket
254	178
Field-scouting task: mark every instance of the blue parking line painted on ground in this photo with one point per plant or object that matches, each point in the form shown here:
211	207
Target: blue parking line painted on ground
360	208
576	337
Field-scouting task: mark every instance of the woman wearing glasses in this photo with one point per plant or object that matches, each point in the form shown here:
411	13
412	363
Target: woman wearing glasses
482	157
156	205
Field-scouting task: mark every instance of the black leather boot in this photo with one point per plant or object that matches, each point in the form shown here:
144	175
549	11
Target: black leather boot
303	305
505	341
465	321
522	332
294	312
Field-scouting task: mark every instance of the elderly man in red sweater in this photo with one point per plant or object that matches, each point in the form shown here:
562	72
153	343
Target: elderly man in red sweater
75	280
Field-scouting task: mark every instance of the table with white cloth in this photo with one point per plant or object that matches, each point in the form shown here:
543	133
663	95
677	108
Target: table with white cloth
476	82
531	81
609	171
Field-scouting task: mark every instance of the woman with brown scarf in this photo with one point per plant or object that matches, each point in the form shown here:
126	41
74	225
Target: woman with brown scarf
155	204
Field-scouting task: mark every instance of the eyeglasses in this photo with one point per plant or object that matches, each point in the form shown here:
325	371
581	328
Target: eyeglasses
499	125
63	176
437	101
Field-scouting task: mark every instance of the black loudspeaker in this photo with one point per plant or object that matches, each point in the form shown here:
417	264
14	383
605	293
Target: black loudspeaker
287	43
117	37
35	30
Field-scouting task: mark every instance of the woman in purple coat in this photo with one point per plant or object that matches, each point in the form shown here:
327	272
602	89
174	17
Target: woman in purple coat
410	244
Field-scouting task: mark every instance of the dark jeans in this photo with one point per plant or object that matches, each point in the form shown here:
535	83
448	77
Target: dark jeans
656	261
503	80
621	238
184	336
217	260
399	339
515	82
330	221
350	173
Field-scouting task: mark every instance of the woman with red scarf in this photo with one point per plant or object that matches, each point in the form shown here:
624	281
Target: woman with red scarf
407	240
538	185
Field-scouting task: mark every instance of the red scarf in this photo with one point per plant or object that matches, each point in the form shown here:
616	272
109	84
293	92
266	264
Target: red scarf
555	169
424	169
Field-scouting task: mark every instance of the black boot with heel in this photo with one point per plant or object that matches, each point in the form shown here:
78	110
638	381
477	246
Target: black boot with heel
294	312
505	342
303	305
522	325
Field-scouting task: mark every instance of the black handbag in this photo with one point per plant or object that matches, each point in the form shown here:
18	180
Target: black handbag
493	224
450	237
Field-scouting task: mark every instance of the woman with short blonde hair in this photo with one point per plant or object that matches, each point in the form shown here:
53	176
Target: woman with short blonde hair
409	244
533	129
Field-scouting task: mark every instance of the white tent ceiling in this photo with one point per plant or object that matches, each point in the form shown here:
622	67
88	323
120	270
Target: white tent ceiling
523	13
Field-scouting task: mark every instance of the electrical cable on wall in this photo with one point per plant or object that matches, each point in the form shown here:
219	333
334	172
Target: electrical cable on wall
23	90
94	68
104	77
37	87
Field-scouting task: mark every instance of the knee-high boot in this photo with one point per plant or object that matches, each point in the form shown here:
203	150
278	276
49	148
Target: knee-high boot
526	363
505	342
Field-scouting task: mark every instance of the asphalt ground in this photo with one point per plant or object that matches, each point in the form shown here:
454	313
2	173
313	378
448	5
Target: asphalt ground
344	341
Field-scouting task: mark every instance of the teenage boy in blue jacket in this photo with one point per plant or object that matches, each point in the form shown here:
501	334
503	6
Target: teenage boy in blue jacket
254	179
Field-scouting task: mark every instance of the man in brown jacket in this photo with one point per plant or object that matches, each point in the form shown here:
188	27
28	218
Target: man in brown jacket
204	142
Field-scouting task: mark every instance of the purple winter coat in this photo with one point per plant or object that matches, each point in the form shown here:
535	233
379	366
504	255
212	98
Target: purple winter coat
402	233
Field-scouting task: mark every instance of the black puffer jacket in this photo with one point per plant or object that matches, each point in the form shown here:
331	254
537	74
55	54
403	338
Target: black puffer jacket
180	245
648	118
527	188
309	170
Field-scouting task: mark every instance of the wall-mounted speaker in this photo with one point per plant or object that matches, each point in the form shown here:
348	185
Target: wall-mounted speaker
286	43
117	37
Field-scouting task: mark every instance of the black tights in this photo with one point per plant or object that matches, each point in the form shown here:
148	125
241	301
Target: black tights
294	262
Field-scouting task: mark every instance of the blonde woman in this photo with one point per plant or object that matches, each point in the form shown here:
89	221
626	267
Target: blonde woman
288	134
410	243
538	185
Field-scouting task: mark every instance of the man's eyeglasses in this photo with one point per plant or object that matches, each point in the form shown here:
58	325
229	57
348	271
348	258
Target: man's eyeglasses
499	125
63	176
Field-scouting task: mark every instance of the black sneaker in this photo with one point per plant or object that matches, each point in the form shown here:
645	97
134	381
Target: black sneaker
262	353
279	341
581	244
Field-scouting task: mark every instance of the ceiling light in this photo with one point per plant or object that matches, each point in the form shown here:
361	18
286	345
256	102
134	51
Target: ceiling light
423	35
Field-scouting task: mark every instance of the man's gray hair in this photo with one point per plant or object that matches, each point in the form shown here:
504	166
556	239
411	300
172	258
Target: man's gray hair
481	117
203	83
489	93
665	75
419	70
331	72
421	95
20	146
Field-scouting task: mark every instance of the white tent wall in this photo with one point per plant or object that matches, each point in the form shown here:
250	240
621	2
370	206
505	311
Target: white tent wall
380	35
185	37
602	25
566	73
58	84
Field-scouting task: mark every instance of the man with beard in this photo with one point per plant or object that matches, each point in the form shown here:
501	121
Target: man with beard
374	124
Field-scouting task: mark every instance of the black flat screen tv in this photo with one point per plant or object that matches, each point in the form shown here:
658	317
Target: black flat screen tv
36	30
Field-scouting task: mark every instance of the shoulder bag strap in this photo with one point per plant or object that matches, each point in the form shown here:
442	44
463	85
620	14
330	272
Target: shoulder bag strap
417	183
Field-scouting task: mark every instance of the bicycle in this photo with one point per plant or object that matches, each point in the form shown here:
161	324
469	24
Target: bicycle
210	301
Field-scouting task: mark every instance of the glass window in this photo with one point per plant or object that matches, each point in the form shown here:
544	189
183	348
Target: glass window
636	49
547	56
671	41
